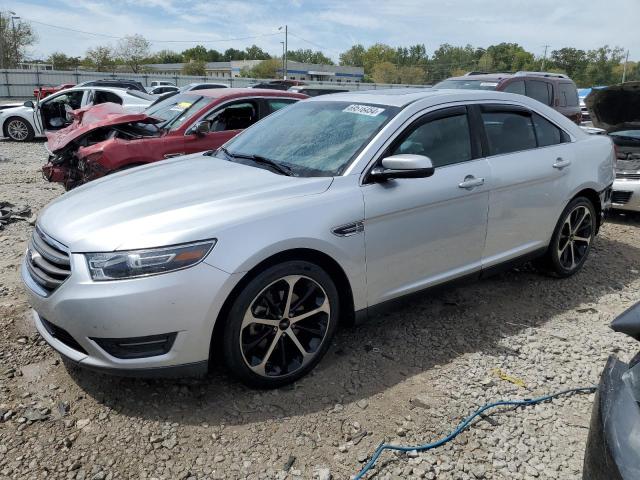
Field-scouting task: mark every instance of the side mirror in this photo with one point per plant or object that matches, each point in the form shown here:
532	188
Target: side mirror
28	104
201	128
403	166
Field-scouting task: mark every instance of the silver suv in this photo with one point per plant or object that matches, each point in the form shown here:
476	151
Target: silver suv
309	218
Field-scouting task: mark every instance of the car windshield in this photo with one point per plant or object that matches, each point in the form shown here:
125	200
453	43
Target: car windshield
313	138
175	110
468	84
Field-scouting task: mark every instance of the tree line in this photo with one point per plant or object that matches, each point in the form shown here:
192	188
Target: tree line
382	63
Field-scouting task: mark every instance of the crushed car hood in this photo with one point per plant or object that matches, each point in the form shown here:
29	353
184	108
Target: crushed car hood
91	118
189	198
616	107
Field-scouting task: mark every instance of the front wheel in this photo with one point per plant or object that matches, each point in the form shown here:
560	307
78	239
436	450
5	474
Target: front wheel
281	324
18	129
572	238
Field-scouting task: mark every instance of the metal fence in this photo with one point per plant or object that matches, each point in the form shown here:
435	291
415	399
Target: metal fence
22	83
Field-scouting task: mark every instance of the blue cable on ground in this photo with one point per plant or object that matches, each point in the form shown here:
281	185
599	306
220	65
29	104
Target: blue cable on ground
465	423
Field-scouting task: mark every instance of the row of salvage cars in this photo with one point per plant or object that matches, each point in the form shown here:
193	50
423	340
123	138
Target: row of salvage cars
254	250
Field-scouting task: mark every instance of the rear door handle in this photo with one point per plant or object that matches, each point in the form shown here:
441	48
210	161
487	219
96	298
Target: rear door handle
471	182
560	163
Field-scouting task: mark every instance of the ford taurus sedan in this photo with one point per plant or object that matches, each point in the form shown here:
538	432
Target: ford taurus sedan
309	218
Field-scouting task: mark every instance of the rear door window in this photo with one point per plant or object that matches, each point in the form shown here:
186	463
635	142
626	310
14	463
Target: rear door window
515	87
235	116
278	103
540	91
508	131
444	140
568	95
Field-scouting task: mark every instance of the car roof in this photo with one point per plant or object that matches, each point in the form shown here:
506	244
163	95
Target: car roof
489	76
401	97
243	92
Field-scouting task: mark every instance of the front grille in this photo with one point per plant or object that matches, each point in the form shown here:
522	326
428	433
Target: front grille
62	335
628	176
621	197
47	263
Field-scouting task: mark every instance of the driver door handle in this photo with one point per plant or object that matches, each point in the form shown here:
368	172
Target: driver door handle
471	182
560	163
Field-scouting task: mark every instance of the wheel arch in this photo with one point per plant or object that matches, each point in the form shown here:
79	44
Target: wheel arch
5	121
322	259
594	197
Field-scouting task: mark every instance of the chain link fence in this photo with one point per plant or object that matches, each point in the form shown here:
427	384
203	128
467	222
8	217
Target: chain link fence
22	83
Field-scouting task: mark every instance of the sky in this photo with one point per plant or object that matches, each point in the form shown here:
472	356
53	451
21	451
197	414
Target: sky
331	26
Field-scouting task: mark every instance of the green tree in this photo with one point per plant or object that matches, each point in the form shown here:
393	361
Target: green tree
214	56
449	58
99	58
266	69
602	61
571	61
60	61
306	55
133	50
413	75
378	53
16	36
255	53
167	56
194	67
233	54
354	57
511	57
385	72
198	53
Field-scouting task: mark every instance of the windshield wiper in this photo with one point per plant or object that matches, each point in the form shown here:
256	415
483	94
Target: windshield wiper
280	168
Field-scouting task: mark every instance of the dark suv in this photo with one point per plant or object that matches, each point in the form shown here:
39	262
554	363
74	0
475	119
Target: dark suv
115	83
553	89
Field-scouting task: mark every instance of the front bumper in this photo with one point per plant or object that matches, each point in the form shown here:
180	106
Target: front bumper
186	302
626	195
613	445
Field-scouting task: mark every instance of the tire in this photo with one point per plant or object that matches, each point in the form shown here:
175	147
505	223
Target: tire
572	238
269	353
18	129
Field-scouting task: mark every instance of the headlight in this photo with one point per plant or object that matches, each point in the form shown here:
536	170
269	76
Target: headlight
140	263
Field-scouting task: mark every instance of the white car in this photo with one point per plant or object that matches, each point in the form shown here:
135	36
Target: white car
313	216
162	83
31	120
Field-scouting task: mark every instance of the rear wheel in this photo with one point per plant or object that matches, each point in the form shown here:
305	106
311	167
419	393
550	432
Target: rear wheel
18	129
572	238
281	324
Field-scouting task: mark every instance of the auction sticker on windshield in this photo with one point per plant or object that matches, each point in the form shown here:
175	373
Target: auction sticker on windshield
364	110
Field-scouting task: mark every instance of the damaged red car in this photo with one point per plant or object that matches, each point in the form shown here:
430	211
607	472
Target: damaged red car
103	139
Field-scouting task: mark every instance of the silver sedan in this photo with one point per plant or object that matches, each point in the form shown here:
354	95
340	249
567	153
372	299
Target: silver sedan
310	218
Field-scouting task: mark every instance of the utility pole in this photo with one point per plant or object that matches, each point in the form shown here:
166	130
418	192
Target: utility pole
544	58
283	51
624	69
286	35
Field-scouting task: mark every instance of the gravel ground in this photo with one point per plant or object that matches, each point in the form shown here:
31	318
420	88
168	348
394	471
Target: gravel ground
408	376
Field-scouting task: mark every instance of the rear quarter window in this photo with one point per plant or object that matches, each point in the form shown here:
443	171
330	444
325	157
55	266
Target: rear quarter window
508	132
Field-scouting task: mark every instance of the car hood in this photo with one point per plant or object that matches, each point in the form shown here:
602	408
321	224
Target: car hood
91	118
185	199
616	107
